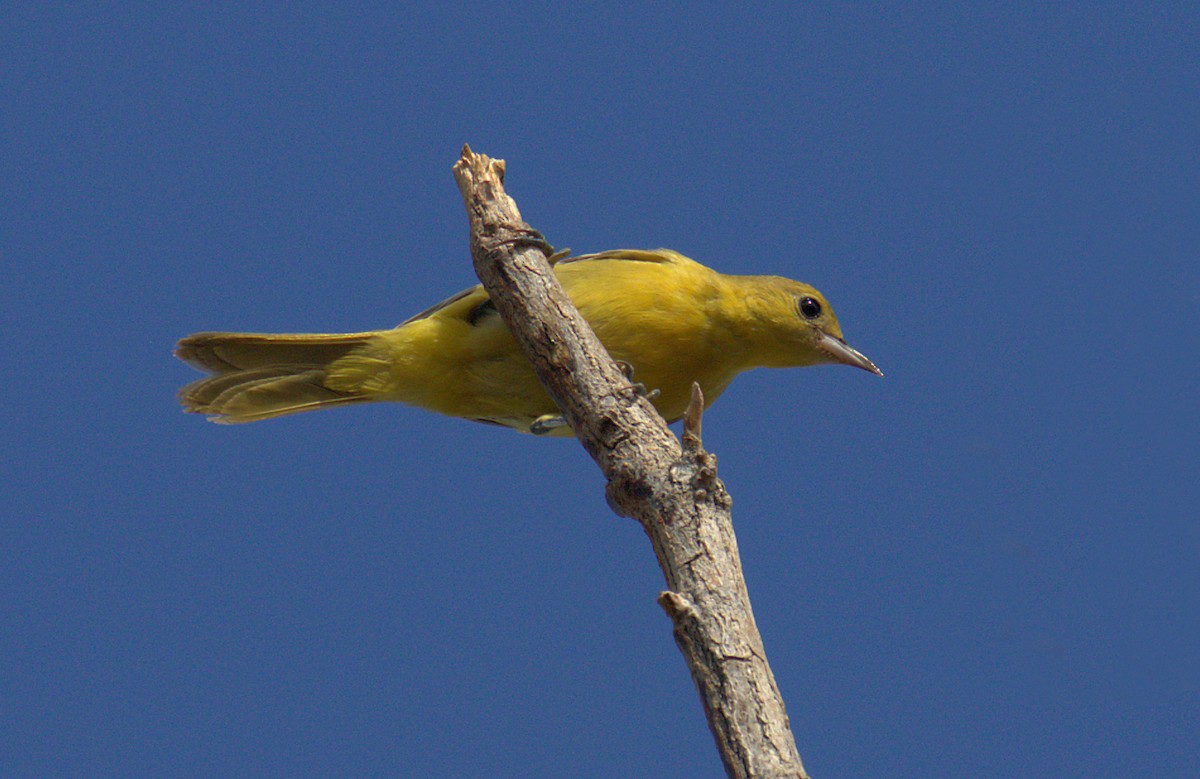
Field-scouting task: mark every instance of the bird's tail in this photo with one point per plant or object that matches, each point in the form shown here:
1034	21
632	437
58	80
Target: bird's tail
259	375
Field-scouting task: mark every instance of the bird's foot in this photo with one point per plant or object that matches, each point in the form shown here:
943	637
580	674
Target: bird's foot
527	236
638	387
547	424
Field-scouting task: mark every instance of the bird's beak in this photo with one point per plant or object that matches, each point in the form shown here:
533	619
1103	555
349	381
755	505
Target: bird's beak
844	353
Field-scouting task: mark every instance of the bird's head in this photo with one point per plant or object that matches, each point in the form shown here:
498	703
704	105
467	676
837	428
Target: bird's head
798	327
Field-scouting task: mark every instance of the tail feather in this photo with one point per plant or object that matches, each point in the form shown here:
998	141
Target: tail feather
260	376
224	352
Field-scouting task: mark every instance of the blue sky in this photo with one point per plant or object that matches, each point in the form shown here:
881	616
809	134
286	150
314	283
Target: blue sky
989	559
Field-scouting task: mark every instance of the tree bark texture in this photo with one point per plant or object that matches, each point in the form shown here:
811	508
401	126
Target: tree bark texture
671	489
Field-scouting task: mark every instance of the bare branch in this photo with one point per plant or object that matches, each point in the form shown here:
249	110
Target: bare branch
672	491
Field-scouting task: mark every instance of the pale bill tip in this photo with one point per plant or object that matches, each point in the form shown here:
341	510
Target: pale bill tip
846	354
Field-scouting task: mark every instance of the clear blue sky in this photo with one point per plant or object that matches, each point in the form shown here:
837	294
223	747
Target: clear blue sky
986	563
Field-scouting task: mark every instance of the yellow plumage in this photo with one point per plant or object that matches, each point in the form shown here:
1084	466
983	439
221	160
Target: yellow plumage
672	319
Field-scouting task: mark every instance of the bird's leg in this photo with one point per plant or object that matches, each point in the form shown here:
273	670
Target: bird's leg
548	423
638	387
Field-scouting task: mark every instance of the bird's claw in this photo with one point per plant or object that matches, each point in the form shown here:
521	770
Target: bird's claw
638	387
527	236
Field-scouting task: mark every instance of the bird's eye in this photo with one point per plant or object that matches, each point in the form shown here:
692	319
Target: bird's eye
810	308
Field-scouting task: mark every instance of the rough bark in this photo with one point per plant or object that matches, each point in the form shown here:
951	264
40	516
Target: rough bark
671	489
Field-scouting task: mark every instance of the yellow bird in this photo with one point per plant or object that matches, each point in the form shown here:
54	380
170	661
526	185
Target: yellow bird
673	320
